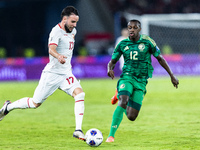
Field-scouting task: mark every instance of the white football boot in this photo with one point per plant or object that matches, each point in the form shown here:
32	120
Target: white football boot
3	110
79	135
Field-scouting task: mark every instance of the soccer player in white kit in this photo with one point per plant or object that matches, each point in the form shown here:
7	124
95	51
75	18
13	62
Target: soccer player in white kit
57	74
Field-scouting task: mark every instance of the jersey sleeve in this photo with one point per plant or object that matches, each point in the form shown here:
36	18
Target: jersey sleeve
53	38
155	51
117	52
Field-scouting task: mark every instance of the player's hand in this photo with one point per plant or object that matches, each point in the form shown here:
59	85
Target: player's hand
111	74
61	59
174	81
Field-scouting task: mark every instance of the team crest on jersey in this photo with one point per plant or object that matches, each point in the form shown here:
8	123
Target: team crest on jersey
122	86
141	46
126	48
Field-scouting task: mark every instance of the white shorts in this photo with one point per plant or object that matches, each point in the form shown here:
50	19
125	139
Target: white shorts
50	82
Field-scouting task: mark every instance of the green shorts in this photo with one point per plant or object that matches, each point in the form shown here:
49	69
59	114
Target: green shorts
134	89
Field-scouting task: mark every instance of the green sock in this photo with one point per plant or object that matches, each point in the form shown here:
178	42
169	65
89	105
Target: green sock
116	120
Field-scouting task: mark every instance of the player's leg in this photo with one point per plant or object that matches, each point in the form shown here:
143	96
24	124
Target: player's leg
47	85
132	113
22	103
79	107
117	116
135	101
134	105
125	89
72	87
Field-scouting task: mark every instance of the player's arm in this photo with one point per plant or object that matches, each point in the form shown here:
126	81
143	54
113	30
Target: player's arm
54	53
110	67
165	65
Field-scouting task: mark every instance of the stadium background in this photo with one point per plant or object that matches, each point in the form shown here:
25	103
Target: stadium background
25	26
169	119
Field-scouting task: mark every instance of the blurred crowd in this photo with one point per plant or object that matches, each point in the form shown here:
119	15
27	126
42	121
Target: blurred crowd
154	6
29	35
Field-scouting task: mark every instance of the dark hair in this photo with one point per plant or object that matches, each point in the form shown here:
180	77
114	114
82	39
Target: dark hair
134	20
67	11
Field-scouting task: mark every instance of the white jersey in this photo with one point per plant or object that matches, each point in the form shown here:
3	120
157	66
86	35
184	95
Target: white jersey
65	45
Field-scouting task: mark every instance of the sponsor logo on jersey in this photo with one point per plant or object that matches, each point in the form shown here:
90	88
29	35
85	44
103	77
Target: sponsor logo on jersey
126	48
122	86
141	46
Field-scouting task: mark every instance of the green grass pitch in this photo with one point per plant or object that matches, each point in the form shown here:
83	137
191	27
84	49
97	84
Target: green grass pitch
169	118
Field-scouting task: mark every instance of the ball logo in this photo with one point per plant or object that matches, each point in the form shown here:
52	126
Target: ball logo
92	142
141	46
122	86
93	132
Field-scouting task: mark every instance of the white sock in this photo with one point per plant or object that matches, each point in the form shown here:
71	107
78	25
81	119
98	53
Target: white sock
23	103
79	110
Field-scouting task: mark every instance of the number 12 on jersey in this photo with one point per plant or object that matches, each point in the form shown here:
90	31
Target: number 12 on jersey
133	55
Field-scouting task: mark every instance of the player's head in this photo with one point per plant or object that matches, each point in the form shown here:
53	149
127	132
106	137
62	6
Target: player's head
70	18
134	27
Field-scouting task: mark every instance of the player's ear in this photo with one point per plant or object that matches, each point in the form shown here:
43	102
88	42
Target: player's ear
64	18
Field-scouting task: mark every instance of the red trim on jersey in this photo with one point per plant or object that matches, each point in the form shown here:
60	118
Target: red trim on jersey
28	102
79	101
81	114
53	44
59	25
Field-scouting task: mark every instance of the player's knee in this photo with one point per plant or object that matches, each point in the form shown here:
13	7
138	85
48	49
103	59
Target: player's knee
80	96
132	117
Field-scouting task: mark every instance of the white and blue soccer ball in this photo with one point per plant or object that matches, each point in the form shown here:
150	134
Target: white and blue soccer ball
94	137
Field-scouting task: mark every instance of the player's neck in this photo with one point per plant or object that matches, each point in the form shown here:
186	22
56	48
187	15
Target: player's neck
135	39
63	26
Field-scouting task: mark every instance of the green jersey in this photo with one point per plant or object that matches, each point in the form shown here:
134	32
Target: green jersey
137	57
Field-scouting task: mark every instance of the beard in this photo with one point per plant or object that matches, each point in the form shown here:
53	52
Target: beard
67	29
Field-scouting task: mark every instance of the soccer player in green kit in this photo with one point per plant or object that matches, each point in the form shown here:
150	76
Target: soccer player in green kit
136	50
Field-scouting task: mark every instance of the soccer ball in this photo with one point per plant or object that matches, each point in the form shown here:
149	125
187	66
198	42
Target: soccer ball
94	137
